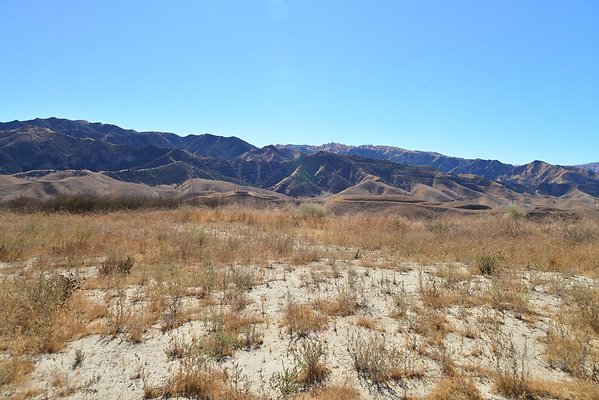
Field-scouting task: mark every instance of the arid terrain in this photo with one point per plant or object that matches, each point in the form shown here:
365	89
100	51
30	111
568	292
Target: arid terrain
286	301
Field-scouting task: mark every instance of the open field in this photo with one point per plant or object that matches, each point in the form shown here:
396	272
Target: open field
289	302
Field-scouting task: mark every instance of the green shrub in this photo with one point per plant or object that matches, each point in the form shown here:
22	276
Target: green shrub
516	212
312	211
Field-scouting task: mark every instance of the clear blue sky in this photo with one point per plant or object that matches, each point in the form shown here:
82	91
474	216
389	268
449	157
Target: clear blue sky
514	80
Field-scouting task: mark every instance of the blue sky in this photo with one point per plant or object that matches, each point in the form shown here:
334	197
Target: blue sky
514	80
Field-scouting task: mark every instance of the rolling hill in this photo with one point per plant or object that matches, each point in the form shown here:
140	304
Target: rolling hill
104	158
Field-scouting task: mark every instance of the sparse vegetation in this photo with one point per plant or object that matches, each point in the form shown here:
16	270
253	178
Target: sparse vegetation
222	293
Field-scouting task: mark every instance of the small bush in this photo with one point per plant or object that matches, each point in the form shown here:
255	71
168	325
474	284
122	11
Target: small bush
312	211
342	305
228	332
13	370
308	369
489	264
570	350
586	300
309	355
116	265
286	382
217	345
376	360
516	212
31	309
401	303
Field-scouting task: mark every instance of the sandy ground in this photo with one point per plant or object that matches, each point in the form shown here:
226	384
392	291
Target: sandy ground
116	368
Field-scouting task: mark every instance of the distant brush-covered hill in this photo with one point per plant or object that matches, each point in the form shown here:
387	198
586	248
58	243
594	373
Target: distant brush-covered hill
160	158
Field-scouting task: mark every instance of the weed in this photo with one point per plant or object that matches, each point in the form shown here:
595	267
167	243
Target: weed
286	382
79	357
309	356
376	360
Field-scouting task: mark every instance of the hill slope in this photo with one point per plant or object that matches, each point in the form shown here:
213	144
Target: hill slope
152	159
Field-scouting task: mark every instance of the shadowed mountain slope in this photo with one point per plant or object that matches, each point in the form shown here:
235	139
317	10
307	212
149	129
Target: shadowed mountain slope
202	145
343	173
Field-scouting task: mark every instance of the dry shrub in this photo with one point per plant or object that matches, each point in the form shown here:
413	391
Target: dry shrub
200	379
586	302
304	253
580	233
309	355
342	305
562	390
401	303
311	211
367	323
378	361
138	324
33	312
432	325
511	375
508	292
535	389
286	382
301	319
489	264
119	315
570	349
455	388
308	369
116	265
227	333
433	295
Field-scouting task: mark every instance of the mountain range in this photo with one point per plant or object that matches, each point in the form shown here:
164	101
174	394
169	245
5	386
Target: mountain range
108	157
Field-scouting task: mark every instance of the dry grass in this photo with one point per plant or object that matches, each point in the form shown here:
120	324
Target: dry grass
14	370
40	313
157	269
456	388
301	319
151	235
331	393
432	325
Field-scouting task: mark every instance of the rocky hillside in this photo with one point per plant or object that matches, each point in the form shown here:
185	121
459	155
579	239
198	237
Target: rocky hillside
159	158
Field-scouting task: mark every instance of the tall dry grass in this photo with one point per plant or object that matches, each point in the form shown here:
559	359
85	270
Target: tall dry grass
233	234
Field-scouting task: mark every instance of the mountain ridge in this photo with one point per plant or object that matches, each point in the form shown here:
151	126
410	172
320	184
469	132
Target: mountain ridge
162	158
